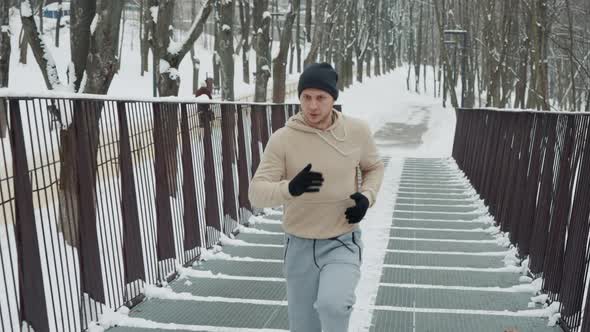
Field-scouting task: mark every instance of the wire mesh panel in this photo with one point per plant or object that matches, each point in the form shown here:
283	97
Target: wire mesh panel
531	169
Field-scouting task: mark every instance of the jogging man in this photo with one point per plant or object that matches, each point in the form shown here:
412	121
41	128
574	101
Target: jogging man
310	167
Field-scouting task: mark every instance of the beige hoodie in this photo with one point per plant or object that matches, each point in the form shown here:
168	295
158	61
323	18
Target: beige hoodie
335	152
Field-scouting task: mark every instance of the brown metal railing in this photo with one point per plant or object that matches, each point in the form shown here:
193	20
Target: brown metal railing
99	197
533	171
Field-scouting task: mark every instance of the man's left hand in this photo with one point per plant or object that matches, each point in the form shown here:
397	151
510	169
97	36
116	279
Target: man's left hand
356	213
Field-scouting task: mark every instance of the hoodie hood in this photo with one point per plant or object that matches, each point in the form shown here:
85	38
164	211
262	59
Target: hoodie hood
336	132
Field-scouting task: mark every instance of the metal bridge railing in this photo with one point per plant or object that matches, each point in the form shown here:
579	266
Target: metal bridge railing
100	197
533	171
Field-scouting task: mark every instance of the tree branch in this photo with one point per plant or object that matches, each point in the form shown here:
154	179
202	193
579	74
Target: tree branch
40	50
195	30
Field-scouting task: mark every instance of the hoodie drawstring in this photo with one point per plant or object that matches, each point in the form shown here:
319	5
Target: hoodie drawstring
336	138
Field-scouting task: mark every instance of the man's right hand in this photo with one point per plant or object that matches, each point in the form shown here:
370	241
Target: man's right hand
306	182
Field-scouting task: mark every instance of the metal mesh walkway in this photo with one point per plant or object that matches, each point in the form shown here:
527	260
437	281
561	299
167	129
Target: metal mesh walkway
442	272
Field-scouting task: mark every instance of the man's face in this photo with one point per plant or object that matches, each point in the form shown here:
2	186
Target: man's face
317	106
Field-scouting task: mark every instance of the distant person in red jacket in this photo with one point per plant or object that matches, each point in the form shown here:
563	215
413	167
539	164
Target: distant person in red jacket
205	112
206	89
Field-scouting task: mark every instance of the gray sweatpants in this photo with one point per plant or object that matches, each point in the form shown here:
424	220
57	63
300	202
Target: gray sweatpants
322	276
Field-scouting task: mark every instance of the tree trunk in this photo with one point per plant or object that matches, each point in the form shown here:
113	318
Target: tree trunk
279	70
196	66
245	30
539	25
23	46
532	99
42	56
410	47
368	57
572	68
377	54
523	55
275	22
146	28
226	50
122	41
308	7
326	43
58	23
298	41
445	56
194	59
378	49
320	8
4	63
81	16
41	20
102	63
261	44
418	58
543	78
216	57
349	43
291	56
4	48
338	45
363	40
359	69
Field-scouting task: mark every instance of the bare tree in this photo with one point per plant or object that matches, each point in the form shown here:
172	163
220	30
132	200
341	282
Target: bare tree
82	14
418	58
312	55
40	51
349	43
23	45
226	48
308	10
298	41
145	29
279	64
411	55
572	69
4	44
261	43
40	6
4	62
58	22
216	59
327	42
363	32
245	18
170	52
538	92
445	56
378	39
194	58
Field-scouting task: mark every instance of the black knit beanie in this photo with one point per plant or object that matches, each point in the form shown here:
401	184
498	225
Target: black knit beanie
319	76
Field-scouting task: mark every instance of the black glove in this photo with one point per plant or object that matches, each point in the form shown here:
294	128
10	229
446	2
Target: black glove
306	182
356	213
